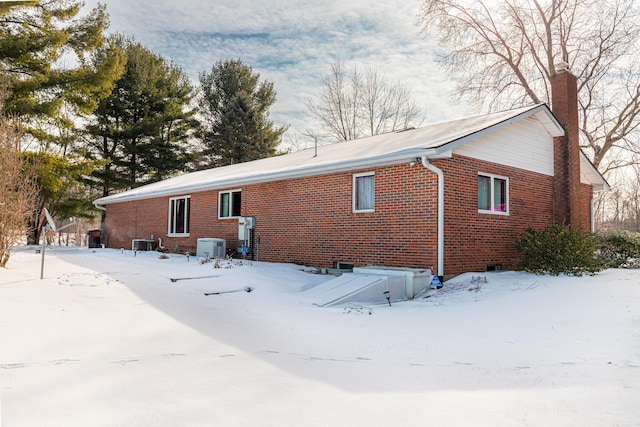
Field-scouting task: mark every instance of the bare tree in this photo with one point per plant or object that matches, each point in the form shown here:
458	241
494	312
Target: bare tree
18	189
631	202
599	210
503	54
354	104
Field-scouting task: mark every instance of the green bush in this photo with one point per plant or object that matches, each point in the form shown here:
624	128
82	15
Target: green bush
558	249
619	249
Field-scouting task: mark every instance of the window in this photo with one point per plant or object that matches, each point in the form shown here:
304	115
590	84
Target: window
493	194
229	204
363	192
179	211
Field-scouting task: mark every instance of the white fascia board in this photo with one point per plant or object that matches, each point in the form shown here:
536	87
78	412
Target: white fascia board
549	121
368	162
598	182
540	111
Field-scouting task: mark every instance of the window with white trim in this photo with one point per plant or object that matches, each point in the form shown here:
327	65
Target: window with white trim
229	204
179	211
364	192
493	194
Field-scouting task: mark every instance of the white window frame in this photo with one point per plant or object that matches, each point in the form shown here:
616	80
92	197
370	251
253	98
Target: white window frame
492	209
355	192
171	217
230	193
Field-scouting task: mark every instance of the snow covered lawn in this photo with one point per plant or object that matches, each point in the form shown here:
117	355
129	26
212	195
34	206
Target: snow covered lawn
107	339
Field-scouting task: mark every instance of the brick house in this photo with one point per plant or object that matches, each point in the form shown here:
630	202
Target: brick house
451	196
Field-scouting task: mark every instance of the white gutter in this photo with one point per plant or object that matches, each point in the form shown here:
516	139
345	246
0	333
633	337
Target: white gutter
102	208
438	172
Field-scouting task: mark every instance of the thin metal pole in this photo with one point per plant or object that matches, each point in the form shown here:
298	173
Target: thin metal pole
44	245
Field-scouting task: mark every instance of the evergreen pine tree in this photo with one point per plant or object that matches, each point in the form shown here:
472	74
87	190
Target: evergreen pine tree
34	37
235	106
236	137
141	131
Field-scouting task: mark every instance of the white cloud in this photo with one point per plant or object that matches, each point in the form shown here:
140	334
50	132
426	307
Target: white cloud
291	43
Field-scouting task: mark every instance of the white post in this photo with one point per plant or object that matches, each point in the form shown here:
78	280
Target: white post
44	245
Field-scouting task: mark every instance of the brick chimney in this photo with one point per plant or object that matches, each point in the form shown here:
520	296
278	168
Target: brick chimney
566	186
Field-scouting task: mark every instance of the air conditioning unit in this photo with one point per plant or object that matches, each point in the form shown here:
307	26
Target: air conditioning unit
142	245
209	246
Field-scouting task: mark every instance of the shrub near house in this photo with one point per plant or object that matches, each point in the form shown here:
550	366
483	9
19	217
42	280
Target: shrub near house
559	249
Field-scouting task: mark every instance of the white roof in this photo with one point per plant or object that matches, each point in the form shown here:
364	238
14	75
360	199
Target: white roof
378	150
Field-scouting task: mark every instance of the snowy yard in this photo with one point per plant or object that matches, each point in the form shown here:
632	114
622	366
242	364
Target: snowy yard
107	339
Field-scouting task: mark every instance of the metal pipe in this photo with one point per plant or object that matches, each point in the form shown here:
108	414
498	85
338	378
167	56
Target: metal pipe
438	172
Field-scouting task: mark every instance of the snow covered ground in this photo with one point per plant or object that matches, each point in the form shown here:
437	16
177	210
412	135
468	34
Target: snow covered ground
107	339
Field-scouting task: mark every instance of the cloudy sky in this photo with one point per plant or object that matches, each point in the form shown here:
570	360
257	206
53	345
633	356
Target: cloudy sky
292	43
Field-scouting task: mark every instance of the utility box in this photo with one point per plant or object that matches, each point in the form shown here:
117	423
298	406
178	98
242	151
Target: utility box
245	223
214	248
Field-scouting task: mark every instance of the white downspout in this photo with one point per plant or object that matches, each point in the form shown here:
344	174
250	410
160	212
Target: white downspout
438	172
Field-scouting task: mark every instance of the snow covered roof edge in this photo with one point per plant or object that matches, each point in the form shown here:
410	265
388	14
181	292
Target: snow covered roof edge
385	149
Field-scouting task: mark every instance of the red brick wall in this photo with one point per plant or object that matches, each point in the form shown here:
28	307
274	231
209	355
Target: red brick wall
135	220
476	240
310	220
143	218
